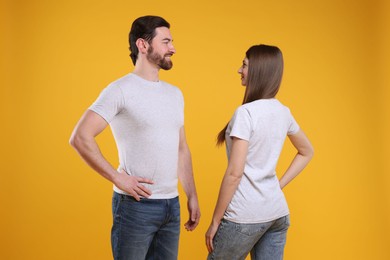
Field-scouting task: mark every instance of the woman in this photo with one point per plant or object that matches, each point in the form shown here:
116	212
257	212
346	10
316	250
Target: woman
251	215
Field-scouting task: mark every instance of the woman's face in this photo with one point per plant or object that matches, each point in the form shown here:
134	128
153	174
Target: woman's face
243	71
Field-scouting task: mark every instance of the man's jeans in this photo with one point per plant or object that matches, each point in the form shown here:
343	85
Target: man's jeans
266	241
146	229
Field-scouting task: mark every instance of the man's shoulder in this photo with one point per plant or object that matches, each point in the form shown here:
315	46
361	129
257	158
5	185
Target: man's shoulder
168	85
171	87
122	80
123	84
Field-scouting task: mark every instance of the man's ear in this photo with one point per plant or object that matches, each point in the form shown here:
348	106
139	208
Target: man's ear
142	45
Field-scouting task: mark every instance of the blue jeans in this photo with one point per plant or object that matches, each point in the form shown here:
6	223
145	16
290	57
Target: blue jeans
146	229
263	241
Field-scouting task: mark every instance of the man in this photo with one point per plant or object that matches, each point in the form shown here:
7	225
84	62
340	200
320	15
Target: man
146	116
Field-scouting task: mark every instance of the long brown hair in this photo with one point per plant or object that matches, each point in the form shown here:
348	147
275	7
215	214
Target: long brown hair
265	71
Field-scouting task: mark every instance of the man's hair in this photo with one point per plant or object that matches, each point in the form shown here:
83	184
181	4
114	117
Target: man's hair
144	27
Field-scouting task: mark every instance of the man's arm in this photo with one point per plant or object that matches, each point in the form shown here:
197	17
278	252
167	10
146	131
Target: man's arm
83	140
187	181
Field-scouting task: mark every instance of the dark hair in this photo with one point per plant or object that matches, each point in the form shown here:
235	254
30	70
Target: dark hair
144	27
265	71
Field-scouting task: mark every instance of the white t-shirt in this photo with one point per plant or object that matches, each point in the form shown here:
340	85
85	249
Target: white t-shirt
264	123
145	118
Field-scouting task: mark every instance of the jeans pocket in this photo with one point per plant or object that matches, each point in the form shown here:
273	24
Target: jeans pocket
287	220
250	229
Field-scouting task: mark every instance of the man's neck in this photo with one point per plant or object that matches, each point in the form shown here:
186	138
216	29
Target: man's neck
146	71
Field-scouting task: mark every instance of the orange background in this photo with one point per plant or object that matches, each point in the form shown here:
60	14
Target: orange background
56	57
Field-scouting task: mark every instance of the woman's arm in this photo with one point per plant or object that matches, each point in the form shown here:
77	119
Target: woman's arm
302	158
229	186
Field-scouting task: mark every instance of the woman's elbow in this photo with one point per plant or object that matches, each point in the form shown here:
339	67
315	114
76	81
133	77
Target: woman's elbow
309	153
235	176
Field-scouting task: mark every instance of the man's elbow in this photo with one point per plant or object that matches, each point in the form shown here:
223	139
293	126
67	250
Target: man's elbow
75	140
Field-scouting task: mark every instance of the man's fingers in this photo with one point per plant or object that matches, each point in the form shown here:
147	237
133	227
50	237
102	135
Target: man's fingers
144	180
133	186
191	225
135	195
195	216
144	190
194	220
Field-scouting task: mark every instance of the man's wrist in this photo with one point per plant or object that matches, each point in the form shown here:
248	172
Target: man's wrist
192	196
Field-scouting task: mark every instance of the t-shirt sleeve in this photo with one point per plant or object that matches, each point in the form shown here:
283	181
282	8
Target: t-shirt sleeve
293	125
241	124
109	103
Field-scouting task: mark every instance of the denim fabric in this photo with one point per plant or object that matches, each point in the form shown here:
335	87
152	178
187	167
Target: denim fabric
146	229
265	241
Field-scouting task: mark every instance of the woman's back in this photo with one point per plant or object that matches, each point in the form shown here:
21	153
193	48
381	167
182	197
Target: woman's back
264	123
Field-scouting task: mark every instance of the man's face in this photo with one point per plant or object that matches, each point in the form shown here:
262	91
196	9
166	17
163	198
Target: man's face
161	49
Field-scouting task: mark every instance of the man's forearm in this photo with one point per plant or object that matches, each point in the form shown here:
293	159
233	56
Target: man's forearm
186	176
89	150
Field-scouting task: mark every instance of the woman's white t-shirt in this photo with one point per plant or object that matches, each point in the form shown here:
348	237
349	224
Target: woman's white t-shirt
264	123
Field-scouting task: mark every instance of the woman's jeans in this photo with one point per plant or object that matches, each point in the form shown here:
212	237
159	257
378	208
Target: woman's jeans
263	241
146	229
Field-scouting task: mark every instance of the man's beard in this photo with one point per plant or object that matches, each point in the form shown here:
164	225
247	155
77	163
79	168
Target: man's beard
157	59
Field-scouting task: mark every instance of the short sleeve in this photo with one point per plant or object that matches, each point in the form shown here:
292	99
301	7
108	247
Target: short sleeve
109	103
293	125
241	124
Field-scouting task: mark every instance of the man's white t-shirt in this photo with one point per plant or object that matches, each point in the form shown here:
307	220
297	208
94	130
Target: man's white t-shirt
145	118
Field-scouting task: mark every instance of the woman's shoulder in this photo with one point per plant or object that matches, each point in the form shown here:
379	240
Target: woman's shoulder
264	106
270	102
